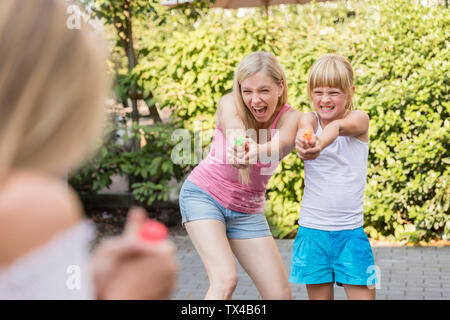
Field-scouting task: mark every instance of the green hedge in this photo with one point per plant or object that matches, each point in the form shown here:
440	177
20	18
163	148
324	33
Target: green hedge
399	51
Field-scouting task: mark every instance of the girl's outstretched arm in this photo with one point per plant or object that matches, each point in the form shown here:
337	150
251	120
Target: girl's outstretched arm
356	124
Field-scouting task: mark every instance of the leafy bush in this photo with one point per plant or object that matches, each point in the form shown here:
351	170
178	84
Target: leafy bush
150	168
96	173
404	87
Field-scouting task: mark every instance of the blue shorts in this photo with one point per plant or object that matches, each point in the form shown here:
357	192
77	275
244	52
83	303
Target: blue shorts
344	257
197	204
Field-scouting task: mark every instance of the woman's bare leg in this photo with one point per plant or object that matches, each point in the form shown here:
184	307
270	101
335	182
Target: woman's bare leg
210	241
261	259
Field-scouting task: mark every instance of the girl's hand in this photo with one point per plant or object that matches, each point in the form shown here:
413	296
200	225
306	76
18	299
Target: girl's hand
125	267
305	138
307	150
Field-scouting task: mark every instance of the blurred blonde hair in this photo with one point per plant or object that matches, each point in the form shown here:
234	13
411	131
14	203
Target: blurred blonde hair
332	71
259	61
52	88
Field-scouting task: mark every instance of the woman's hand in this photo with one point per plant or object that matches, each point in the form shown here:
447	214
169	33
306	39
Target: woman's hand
307	150
243	155
125	267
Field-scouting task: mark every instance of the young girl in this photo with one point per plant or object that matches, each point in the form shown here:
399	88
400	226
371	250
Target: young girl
52	90
331	245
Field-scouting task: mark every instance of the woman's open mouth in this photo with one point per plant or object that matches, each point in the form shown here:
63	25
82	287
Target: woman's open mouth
260	112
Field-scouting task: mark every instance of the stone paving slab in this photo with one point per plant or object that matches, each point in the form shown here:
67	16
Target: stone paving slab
407	273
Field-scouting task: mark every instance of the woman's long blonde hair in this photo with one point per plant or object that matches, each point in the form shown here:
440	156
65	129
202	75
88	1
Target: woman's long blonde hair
260	61
334	71
52	88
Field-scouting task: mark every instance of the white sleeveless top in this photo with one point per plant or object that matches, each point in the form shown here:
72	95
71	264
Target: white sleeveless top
59	269
334	185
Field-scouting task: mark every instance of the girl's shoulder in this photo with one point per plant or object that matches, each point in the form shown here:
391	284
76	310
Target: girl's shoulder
34	206
357	122
358	118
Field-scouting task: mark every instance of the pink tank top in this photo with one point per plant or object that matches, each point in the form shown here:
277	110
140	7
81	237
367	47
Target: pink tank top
221	180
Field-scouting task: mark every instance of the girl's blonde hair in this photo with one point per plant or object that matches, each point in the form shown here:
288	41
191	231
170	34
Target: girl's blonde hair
260	61
332	71
52	88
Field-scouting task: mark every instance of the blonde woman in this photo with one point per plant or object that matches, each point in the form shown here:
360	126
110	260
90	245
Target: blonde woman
331	246
222	200
52	89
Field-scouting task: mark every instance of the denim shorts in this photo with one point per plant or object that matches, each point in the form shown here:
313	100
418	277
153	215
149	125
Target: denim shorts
197	204
344	257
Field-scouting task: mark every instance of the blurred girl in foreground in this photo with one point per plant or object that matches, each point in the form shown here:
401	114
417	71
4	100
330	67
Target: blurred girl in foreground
52	88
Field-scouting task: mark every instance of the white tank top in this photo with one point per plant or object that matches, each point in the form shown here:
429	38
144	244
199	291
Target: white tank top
57	270
334	185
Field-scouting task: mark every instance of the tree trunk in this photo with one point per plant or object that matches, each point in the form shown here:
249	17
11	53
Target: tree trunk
132	60
128	45
153	111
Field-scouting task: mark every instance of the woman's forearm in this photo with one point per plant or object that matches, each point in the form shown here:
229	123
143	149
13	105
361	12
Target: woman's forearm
273	150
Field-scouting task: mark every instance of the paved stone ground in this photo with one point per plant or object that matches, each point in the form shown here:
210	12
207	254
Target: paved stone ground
417	273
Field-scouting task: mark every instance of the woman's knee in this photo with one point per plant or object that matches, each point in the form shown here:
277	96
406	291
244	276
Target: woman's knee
284	292
225	283
280	292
